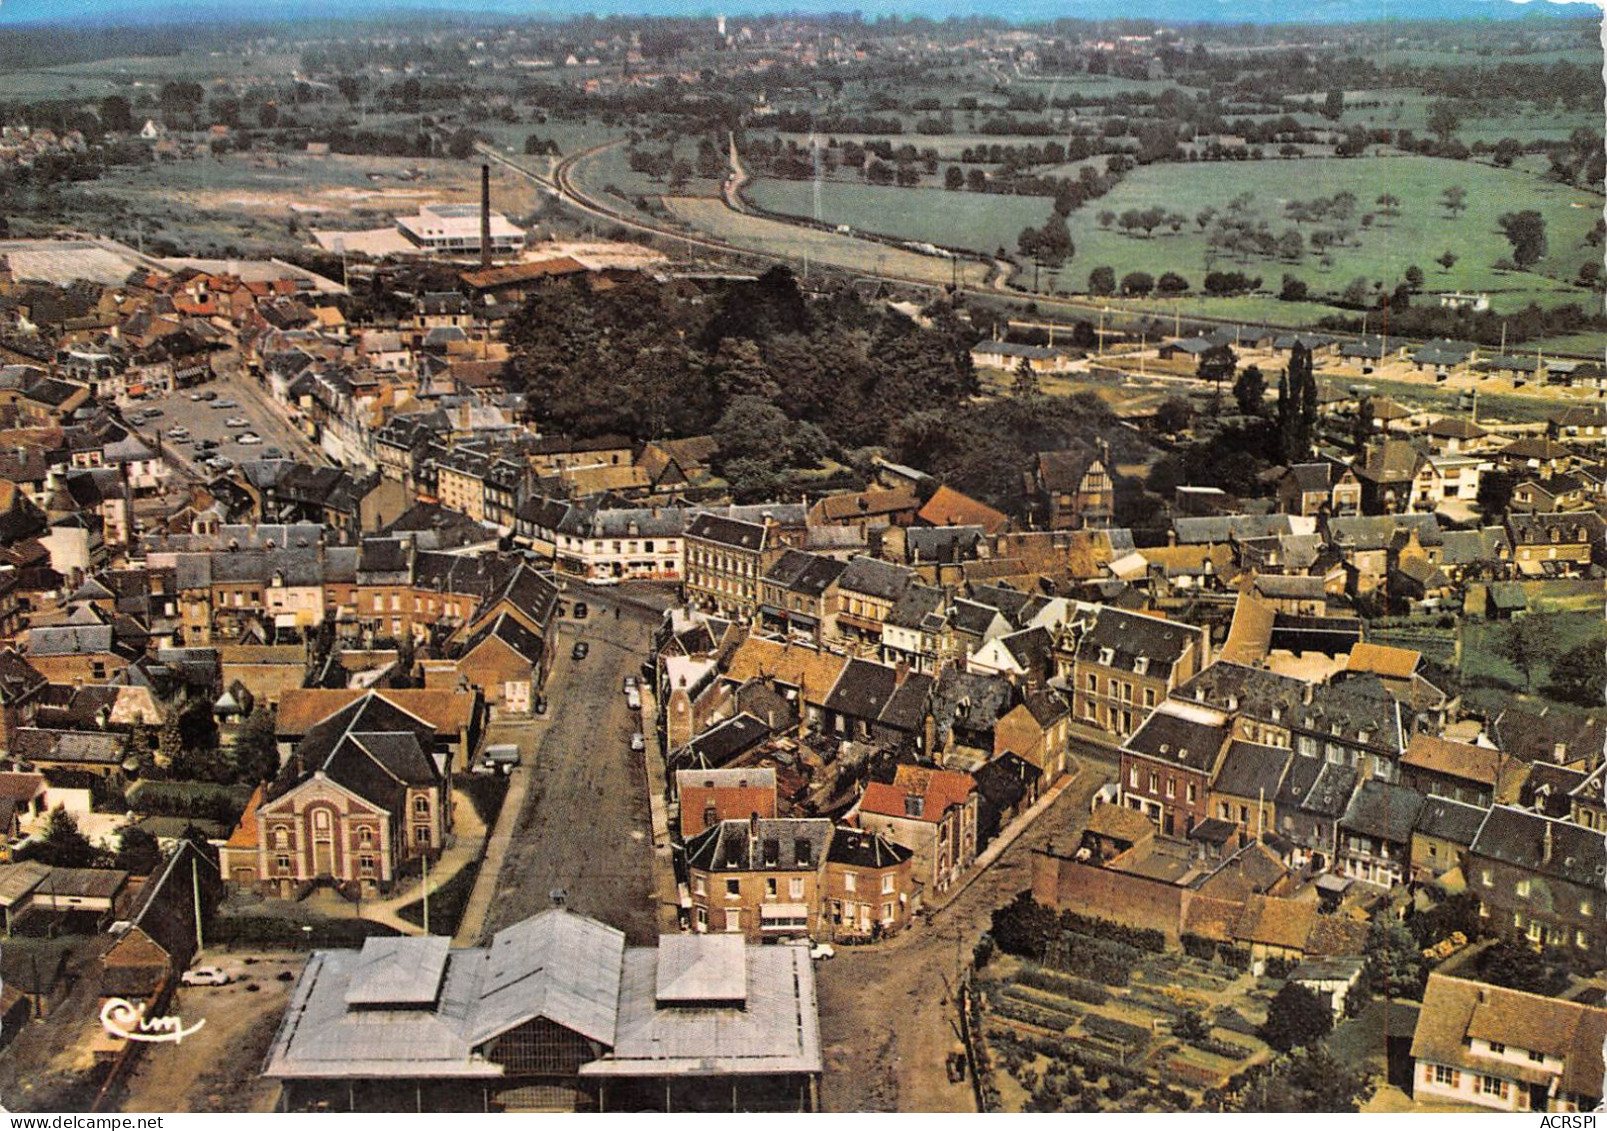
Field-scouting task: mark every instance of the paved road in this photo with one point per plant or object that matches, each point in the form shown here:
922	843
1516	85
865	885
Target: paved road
887	1013
584	825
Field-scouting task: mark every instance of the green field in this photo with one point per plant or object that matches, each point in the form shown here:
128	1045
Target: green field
979	222
1418	235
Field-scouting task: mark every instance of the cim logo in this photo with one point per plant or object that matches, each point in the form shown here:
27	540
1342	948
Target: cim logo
122	1018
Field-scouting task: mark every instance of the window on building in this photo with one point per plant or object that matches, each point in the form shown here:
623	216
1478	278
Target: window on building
1521	889
365	835
699	886
281	863
421	806
1493	1086
281	838
1154	782
1171	787
887	912
320	820
421	835
702	918
770	888
850	881
1444	1076
733	889
1497	1047
795	888
365	864
1132	777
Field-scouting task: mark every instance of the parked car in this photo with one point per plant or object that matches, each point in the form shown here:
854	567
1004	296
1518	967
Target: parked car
225	404
273	453
237	422
206	976
152	413
581	610
823	950
248	438
578	652
633	699
629	685
638	742
198	396
178	432
209	395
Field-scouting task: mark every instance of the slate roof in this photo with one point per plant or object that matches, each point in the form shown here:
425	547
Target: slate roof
1130	637
875	578
371	747
1380	809
1181	734
781	844
1444	819
806	574
857	848
1251	770
727	532
1513	836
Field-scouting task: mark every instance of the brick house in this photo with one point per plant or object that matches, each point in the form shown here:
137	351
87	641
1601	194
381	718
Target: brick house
764	878
871	888
1126	663
708	797
1169	763
1541	878
933	812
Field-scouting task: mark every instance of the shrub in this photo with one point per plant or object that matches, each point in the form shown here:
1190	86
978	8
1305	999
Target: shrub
1077	989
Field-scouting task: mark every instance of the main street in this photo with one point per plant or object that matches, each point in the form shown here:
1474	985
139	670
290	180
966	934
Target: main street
584	826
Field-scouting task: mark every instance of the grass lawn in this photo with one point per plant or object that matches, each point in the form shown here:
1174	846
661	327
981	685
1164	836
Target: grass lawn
1418	235
1481	658
976	221
447	902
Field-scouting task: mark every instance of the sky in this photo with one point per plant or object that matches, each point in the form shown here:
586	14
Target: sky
1232	11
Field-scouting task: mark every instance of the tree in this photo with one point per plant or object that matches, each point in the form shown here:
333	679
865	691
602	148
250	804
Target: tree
1025	383
1579	675
1192	1025
1218	364
1293	289
1455	199
1307	1080
1389	204
1171	283
1296	1017
1174	415
61	846
1250	391
116	116
138	854
1443	120
170	739
1291	245
1106	218
1526	643
1333	105
1102	281
1414	277
954	178
268	115
1495	492
1138	283
1526	232
256	749
1394	963
1447	261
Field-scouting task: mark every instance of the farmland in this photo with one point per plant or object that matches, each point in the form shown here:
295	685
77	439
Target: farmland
1418	235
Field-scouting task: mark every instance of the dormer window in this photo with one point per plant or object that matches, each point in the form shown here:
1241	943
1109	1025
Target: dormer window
914	806
1141	666
1107	656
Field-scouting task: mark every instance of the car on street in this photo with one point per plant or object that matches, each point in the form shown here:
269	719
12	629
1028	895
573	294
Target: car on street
629	685
541	704
638	742
274	453
578	652
581	610
237	422
178	432
206	976
822	950
152	413
225	404
198	396
248	438
633	699
209	395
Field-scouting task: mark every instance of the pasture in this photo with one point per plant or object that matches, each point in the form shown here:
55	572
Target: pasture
1418	235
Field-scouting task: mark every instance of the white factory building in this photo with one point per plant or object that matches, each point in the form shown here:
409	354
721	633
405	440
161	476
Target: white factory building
456	228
